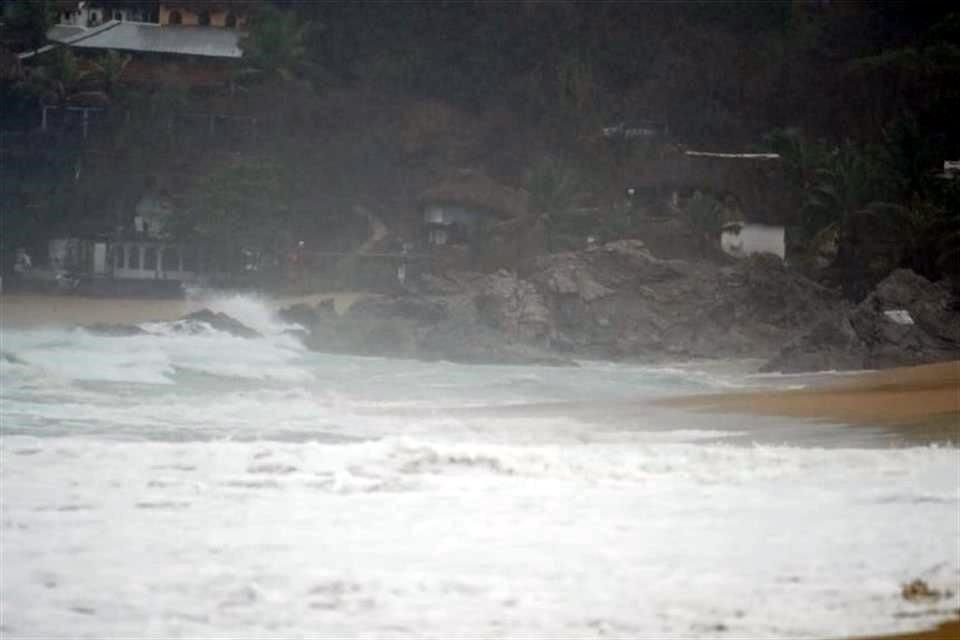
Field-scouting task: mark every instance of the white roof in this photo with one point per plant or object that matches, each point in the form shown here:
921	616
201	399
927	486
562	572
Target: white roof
213	42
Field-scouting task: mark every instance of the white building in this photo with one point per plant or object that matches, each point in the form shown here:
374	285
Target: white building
743	239
91	14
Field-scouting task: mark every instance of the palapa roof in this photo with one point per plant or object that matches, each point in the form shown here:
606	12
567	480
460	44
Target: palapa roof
477	191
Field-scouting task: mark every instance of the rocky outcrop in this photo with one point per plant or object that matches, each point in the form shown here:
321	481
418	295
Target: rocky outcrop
221	322
114	330
619	300
906	320
512	306
478	319
193	323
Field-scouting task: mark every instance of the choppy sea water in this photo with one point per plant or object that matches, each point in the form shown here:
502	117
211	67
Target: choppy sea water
189	483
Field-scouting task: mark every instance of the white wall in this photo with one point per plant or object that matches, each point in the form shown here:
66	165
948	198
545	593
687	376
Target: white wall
754	238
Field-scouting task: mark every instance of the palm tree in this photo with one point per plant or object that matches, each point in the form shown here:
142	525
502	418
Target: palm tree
109	69
552	186
55	83
842	186
276	44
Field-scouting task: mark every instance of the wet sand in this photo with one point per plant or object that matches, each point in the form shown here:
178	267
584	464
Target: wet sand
926	396
33	311
946	631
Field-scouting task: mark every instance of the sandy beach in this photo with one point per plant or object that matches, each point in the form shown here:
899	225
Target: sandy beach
31	310
922	395
946	631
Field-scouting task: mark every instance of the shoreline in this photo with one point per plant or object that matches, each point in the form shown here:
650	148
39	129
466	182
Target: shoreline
914	396
925	395
945	631
33	311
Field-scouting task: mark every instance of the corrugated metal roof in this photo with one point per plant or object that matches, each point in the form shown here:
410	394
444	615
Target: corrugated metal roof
61	32
214	42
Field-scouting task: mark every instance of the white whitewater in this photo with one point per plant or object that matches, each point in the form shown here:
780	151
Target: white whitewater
187	483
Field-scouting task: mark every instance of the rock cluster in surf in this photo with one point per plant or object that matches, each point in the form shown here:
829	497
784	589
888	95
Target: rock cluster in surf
619	301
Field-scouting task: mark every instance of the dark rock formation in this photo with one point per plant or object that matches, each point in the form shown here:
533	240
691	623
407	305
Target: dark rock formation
619	300
306	315
481	319
115	330
867	336
221	322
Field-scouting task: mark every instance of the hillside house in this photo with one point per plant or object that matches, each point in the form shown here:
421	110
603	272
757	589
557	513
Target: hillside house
227	15
93	13
90	13
172	55
473	222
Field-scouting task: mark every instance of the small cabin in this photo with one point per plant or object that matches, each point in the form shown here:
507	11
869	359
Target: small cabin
745	239
474	222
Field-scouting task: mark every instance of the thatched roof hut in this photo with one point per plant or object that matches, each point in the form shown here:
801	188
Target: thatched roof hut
478	192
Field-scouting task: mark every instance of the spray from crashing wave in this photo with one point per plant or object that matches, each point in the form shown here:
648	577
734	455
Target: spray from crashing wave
255	487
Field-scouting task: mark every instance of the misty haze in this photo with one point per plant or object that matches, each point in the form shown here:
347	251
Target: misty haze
541	319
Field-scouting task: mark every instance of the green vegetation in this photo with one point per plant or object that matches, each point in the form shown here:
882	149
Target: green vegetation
352	104
706	217
553	185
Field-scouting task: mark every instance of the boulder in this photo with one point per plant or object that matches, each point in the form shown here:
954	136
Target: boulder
512	306
222	322
307	315
115	330
906	320
615	301
833	344
619	300
494	320
929	303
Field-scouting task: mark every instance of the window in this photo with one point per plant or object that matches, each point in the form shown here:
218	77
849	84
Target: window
150	259
204	18
133	257
189	260
176	18
231	21
118	256
171	259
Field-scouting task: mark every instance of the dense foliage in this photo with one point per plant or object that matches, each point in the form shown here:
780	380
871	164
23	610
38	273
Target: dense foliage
860	99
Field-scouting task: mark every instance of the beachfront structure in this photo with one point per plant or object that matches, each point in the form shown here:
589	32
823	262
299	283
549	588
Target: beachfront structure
120	266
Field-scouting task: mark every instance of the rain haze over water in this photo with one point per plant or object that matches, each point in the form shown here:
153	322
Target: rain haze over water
186	482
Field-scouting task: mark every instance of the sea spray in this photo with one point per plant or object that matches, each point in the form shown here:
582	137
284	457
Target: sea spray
198	483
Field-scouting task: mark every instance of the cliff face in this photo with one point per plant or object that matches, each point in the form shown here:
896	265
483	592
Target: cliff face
906	320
